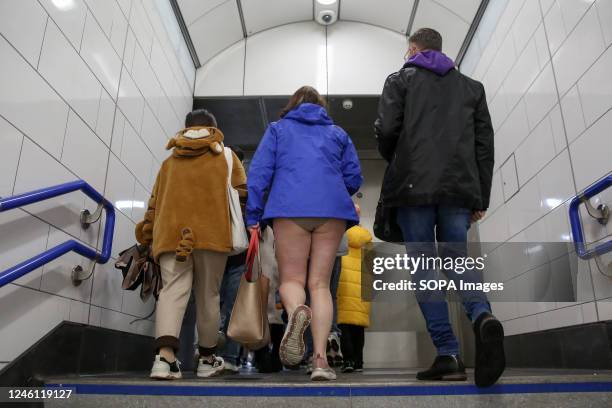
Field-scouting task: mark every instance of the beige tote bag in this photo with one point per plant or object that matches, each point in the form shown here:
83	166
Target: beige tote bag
249	319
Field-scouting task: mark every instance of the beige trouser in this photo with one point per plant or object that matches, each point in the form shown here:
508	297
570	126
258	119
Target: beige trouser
203	271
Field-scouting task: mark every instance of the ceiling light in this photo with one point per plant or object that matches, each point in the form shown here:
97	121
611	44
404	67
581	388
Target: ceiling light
64	5
327	2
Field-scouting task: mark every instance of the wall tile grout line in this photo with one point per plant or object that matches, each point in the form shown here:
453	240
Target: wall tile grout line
558	94
42	44
23	136
575	304
149	56
551	160
530	180
64	138
92	72
502	40
51	87
42	268
503	81
568	34
82	31
72	299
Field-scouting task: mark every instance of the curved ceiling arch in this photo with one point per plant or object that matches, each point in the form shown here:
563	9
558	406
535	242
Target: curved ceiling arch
346	58
216	25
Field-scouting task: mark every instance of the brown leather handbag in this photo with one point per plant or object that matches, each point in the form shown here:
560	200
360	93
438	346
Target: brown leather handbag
249	319
139	270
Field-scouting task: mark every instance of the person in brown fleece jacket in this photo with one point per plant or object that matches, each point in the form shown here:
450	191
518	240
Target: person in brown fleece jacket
187	226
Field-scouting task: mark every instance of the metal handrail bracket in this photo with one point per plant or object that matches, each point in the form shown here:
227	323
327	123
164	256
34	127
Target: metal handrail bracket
49	255
574	214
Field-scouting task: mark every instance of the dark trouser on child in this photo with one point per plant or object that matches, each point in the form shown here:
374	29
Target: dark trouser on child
352	340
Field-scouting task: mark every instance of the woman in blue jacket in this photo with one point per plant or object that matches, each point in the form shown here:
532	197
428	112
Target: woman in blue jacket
301	180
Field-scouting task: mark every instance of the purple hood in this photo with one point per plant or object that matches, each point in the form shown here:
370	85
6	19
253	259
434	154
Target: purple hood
433	61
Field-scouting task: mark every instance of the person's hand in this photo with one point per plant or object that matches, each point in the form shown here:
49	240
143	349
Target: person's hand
478	215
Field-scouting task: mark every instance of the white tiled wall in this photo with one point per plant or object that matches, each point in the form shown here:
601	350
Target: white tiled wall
89	89
546	68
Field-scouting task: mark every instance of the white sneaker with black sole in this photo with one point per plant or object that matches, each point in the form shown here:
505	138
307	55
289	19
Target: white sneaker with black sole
210	368
163	370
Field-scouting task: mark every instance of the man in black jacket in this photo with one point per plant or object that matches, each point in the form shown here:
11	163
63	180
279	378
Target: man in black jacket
434	130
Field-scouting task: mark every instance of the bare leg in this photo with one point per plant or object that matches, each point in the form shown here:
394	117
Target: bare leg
325	242
292	251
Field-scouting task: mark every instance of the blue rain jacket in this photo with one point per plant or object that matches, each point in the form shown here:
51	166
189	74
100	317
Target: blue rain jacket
306	167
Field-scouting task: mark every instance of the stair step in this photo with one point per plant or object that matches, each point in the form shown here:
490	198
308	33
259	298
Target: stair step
519	388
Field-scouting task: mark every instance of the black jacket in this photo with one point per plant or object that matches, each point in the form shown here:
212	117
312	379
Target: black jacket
436	134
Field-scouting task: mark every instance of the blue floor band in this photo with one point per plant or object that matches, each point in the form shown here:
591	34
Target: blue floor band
333	391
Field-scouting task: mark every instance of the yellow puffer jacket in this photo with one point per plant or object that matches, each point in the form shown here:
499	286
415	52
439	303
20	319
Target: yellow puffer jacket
351	309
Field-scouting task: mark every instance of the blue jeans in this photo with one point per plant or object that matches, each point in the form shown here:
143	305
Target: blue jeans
228	292
422	227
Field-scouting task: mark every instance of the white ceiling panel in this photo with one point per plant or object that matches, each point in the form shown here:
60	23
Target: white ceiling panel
223	75
194	9
303	60
391	14
453	29
466	9
217	30
261	15
349	44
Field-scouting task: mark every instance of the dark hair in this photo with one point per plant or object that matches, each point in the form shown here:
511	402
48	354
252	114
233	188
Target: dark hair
426	39
306	94
238	151
200	117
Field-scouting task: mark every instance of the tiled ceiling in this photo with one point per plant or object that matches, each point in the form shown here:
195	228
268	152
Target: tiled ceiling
215	25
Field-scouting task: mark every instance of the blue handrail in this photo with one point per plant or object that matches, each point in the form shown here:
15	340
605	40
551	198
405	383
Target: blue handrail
49	255
574	215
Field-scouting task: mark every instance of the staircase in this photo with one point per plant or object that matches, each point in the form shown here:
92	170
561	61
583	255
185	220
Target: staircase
518	388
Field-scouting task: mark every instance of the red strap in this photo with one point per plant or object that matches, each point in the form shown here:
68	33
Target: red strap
252	252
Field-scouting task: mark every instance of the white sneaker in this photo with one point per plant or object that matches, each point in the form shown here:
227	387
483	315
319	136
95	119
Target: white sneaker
320	371
230	368
210	369
292	346
163	370
334	353
323	374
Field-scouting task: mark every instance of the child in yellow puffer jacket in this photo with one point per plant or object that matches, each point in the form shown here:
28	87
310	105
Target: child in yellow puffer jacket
353	312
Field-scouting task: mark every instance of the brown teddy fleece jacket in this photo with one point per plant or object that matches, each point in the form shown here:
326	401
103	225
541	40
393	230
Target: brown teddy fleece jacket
189	207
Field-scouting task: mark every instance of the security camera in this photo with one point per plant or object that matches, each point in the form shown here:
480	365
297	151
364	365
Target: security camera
327	17
347	104
326	11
